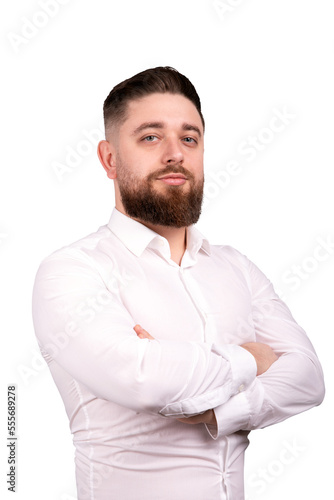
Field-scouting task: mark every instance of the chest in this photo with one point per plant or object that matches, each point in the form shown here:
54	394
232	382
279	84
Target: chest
208	301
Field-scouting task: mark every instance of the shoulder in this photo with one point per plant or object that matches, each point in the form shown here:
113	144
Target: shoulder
230	254
87	252
241	265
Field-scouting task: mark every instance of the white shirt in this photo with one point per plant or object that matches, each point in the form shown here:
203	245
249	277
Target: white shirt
123	394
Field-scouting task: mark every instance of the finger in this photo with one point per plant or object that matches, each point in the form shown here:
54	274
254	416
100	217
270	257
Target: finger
141	333
189	420
207	417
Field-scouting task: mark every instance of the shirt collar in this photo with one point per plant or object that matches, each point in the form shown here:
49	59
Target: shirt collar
137	237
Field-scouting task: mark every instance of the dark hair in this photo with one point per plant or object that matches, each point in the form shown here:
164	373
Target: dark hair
161	79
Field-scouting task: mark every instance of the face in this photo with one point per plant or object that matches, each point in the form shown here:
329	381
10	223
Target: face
156	161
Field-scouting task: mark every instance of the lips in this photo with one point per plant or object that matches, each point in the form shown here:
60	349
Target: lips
178	176
173	179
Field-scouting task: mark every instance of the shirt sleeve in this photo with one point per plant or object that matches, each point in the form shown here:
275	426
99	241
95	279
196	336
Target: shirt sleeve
293	384
83	325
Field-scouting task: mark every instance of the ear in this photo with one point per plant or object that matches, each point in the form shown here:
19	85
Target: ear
107	156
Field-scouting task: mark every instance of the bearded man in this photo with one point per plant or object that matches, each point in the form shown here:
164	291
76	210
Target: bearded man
166	350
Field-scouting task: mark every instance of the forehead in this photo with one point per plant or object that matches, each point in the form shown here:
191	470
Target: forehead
171	109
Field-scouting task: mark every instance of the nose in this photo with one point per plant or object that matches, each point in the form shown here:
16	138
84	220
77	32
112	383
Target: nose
173	152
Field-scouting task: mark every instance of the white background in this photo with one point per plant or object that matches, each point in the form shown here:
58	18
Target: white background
256	57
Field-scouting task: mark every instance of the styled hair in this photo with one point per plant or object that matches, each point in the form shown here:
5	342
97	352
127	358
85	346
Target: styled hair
162	79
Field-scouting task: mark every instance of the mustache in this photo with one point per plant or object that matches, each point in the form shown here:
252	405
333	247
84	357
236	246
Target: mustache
171	169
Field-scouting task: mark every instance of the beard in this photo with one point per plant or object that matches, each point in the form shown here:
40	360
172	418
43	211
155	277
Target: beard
176	206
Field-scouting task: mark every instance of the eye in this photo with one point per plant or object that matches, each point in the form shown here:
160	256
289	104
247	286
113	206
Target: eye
150	138
190	140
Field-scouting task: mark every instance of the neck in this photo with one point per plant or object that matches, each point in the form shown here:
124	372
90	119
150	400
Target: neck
176	237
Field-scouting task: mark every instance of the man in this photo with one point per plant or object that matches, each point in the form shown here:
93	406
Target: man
147	328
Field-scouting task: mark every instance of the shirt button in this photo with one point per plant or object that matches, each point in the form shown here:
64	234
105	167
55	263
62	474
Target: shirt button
241	388
161	243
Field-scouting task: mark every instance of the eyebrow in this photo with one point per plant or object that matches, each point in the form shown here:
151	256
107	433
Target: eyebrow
147	125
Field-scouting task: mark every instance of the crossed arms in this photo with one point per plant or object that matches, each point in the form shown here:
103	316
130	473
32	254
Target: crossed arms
248	386
264	357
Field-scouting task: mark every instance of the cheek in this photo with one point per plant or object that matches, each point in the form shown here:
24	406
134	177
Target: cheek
141	162
198	167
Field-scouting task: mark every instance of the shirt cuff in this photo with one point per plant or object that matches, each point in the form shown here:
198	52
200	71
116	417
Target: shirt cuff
243	372
238	412
243	366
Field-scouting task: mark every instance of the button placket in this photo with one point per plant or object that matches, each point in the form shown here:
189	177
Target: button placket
187	286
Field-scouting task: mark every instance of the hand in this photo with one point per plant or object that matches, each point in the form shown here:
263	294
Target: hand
263	354
208	417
